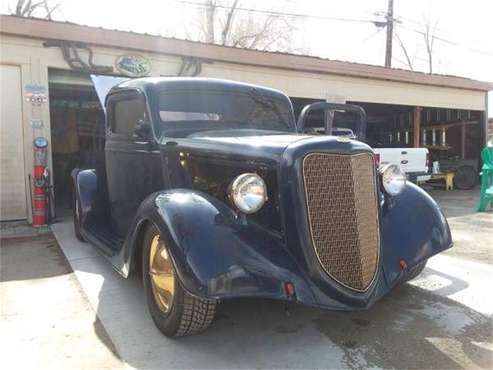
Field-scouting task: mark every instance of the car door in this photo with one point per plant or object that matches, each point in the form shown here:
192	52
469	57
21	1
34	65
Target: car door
132	161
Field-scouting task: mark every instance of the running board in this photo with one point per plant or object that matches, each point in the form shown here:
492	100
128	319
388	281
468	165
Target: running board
103	238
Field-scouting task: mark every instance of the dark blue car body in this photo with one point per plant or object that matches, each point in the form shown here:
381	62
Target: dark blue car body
218	252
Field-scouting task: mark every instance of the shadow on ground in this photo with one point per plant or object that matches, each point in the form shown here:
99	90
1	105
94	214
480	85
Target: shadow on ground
24	259
410	328
44	313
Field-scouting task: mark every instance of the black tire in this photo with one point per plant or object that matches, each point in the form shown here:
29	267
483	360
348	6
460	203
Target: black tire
465	177
76	216
188	314
415	271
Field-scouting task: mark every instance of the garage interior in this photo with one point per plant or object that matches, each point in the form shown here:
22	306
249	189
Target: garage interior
454	137
77	130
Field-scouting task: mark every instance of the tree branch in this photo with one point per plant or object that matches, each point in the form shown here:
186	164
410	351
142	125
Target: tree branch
404	50
229	19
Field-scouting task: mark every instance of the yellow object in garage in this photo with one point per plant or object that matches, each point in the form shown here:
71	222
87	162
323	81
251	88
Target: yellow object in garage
448	177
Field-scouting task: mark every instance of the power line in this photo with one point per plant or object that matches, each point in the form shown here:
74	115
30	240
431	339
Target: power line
338	19
276	13
399	18
446	41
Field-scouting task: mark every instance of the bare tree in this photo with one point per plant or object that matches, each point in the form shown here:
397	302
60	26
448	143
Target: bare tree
404	51
429	35
29	8
427	31
224	22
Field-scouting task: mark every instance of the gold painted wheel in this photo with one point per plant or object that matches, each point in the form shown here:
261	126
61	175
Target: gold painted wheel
162	275
174	311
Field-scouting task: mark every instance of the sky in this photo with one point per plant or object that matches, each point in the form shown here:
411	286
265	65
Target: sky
332	29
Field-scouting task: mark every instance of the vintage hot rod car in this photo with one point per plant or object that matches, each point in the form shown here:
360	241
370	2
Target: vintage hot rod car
212	191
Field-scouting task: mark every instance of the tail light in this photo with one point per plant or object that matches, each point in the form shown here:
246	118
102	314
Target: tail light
376	158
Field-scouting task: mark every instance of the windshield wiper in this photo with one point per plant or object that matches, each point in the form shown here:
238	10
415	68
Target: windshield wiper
260	98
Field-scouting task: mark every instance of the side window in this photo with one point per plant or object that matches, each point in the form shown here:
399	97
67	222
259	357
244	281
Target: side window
127	114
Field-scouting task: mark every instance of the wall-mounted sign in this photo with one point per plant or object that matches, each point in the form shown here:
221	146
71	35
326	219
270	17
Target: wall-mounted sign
334	98
133	65
35	93
36	123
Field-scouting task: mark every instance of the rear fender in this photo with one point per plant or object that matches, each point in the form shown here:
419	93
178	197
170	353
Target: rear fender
216	253
85	186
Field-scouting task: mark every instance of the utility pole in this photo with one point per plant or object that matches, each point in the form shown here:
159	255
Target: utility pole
390	31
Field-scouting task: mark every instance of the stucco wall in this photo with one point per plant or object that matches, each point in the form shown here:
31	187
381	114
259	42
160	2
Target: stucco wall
299	84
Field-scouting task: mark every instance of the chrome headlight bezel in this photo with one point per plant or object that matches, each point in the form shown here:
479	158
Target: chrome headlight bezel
393	179
248	192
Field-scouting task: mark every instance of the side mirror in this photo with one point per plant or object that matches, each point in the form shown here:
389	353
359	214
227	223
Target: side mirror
142	129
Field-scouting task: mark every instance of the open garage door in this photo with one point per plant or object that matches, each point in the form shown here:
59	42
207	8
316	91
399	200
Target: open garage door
77	130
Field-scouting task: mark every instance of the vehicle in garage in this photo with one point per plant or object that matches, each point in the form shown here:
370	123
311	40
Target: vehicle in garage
413	161
212	191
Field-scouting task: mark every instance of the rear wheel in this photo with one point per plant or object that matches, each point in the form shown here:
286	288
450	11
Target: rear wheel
174	311
465	177
76	214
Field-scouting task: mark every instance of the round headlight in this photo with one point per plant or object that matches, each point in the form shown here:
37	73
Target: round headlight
393	179
248	192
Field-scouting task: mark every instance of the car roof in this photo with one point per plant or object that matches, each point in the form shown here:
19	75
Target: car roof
150	85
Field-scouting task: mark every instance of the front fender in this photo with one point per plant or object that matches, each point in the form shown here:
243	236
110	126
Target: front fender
216	252
412	228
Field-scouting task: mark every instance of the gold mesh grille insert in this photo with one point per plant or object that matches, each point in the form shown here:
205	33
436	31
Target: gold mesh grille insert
343	218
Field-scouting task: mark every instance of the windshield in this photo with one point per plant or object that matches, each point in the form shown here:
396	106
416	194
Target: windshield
183	113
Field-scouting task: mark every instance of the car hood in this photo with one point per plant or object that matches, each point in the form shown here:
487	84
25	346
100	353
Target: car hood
258	144
251	143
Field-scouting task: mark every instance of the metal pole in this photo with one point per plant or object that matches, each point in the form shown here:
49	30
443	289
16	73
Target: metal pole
390	31
486	128
417	128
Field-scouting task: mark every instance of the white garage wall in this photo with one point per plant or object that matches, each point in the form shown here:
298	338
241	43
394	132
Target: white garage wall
12	174
293	83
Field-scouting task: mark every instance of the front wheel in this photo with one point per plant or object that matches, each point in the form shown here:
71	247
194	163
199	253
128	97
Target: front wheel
174	311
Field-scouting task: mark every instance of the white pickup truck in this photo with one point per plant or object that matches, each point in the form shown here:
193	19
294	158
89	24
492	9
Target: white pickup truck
414	161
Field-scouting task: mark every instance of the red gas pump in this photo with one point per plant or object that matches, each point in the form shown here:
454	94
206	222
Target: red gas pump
40	182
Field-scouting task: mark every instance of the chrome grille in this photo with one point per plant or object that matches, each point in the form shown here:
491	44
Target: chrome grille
342	211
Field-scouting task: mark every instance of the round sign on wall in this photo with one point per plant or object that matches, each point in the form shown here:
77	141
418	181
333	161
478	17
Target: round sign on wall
132	65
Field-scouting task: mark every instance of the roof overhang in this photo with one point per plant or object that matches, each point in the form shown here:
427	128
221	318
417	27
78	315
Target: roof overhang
50	30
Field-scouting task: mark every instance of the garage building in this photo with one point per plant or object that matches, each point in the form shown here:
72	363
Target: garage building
46	91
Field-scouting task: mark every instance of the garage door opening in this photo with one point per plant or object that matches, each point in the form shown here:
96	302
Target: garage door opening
77	130
454	137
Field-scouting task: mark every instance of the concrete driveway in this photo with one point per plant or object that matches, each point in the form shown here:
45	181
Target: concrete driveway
45	320
441	320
